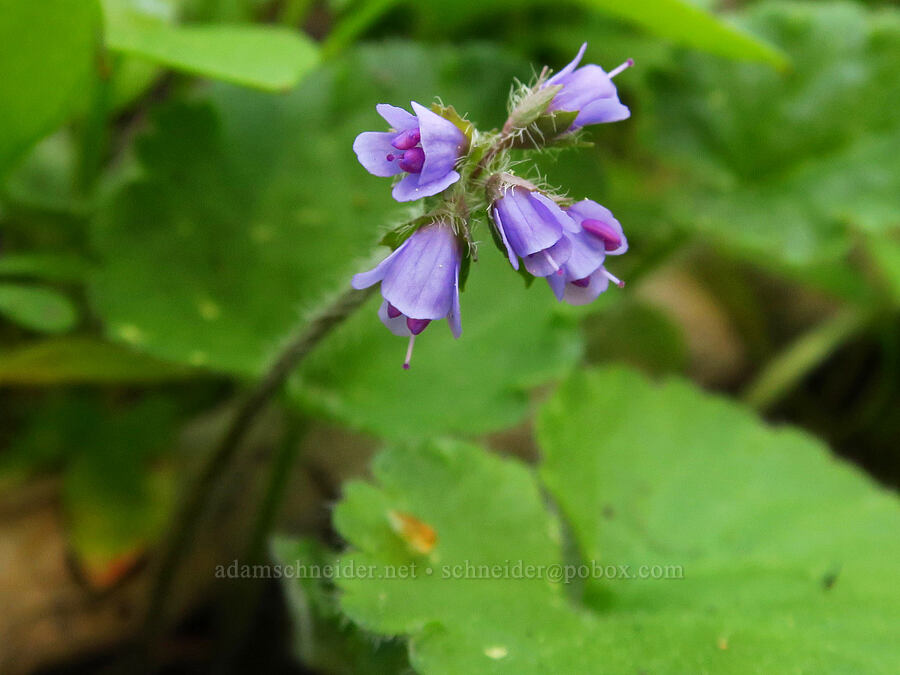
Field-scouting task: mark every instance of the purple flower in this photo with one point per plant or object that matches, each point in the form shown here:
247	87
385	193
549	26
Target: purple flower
425	146
590	91
599	234
419	283
531	226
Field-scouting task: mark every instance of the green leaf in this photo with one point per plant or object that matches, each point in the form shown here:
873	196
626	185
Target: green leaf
322	638
885	253
485	511
789	558
679	21
709	543
783	168
638	334
84	360
354	24
272	58
44	266
39	309
685	23
47	60
131	76
476	384
116	495
251	207
116	489
43	179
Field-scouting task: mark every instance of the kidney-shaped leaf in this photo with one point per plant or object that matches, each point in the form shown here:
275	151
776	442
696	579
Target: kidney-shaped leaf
790	162
789	558
709	543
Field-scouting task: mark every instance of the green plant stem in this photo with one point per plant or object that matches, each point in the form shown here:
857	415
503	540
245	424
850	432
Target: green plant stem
178	545
93	139
243	603
354	25
783	372
293	12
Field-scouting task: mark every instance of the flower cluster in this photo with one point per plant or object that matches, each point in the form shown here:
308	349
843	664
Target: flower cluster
441	156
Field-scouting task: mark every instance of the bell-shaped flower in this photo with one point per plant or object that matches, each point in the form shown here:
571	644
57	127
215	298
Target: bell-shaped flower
424	146
590	91
584	276
531	227
419	283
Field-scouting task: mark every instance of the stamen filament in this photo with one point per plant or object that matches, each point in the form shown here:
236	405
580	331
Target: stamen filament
616	71
409	351
618	282
550	260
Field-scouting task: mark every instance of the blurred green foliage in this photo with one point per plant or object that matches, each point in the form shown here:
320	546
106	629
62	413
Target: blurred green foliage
178	195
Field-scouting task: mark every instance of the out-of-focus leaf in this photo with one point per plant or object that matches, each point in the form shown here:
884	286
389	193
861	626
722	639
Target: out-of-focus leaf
266	57
43	179
685	23
322	638
116	501
47	434
885	253
44	266
47	58
80	360
783	167
132	75
733	547
680	21
116	490
354	24
475	384
637	334
35	308
789	558
252	207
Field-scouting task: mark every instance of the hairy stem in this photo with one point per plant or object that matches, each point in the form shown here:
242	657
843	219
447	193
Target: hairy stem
783	372
178	546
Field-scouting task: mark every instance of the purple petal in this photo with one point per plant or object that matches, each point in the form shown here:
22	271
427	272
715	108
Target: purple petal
454	319
576	295
372	149
557	285
550	260
602	111
376	274
584	86
588	253
411	187
498	221
573	64
397	325
528	224
442	141
398	118
588	209
421	282
407	190
555	212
